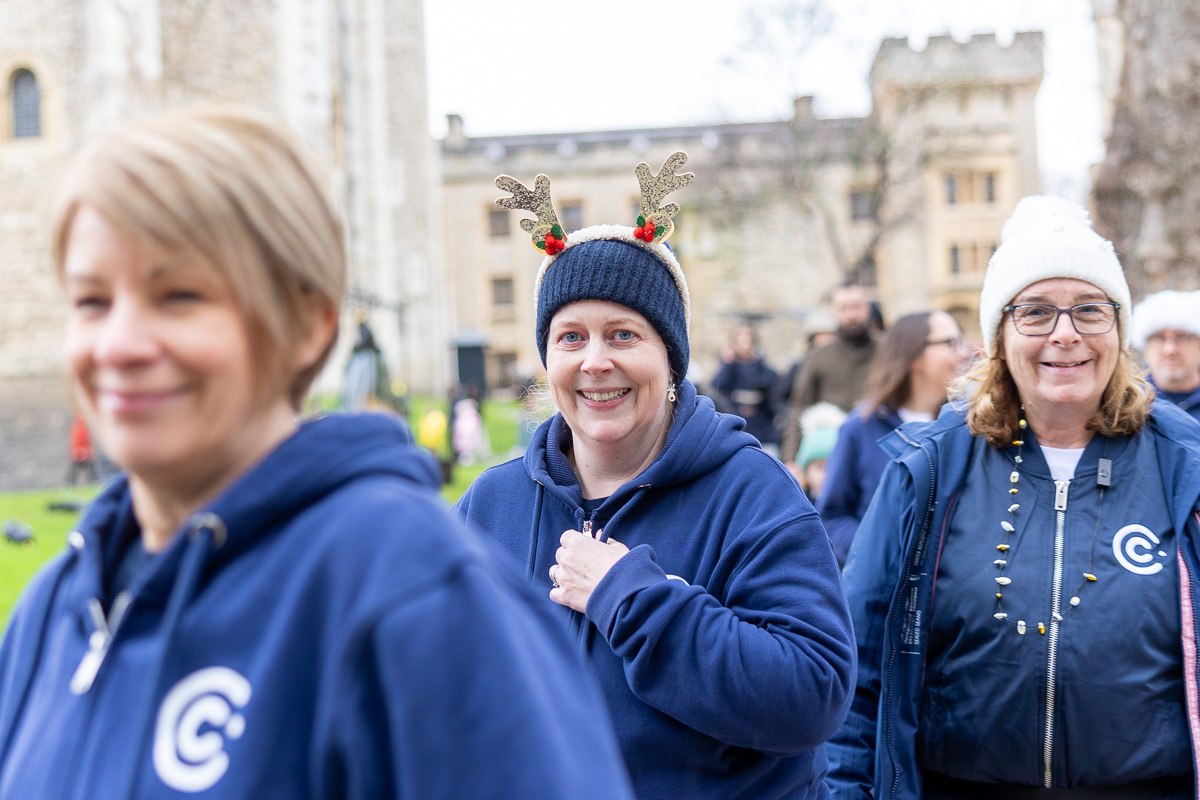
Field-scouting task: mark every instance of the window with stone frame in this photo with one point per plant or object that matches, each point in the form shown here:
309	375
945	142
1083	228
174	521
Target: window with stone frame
571	217
498	224
503	299
26	105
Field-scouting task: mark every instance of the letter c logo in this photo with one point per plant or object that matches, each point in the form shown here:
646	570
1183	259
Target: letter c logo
1130	546
184	758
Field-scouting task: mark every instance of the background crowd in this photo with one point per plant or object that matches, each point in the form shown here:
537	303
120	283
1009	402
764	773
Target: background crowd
669	594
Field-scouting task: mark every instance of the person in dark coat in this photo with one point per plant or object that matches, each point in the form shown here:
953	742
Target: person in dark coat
837	372
699	583
258	606
1166	328
1023	584
921	356
746	383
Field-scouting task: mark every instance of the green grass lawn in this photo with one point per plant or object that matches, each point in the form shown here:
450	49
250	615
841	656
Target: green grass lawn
18	563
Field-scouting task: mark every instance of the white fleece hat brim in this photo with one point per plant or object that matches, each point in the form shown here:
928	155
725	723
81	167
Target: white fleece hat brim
1048	237
1169	310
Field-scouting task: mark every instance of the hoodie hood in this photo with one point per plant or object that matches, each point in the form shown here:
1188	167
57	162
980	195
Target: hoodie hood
700	440
321	456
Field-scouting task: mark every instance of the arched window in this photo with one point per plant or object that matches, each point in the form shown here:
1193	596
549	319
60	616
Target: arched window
26	105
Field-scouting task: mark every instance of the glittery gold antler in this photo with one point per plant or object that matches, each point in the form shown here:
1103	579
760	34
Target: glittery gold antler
547	235
654	223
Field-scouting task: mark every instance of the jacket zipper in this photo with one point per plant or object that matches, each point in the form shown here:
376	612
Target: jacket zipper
1060	508
100	641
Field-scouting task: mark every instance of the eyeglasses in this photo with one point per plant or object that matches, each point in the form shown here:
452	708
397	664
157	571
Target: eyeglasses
954	343
1177	338
1089	319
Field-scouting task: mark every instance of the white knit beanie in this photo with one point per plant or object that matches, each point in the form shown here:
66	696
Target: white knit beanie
1162	311
1048	237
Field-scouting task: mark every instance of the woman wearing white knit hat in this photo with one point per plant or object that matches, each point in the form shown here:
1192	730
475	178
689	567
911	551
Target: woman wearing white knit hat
1022	583
1166	328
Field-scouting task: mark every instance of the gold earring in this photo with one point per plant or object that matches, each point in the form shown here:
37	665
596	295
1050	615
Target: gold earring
671	393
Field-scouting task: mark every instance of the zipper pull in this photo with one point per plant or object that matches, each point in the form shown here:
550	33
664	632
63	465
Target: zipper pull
89	666
99	642
1060	495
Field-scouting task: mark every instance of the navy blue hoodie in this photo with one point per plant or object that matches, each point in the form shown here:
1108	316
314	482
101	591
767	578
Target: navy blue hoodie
722	639
325	628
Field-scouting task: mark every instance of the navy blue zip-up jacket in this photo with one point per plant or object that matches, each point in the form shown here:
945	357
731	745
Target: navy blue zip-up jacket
721	640
891	578
852	474
326	628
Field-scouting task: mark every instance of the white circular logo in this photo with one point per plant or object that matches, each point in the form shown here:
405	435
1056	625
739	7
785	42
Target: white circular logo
184	758
1130	546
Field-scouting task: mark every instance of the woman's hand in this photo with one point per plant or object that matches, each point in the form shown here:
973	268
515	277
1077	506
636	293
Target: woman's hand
581	563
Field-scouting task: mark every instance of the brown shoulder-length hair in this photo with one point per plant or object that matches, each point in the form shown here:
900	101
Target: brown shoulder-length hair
889	382
994	407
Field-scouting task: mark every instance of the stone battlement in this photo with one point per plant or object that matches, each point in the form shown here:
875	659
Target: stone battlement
945	61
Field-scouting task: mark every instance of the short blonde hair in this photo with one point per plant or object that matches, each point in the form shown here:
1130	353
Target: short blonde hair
994	406
236	188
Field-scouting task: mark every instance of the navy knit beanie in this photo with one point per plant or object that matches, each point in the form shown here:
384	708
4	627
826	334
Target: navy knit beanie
620	271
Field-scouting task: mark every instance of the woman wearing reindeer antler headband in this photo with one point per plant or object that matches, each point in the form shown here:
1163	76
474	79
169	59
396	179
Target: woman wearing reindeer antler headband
699	580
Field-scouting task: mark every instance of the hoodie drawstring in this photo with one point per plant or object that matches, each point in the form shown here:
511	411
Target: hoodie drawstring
531	559
587	631
206	532
41	606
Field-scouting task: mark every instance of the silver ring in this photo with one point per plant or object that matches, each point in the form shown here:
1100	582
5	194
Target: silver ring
554	576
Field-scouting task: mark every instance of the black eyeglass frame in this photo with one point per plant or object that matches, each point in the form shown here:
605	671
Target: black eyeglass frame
1070	312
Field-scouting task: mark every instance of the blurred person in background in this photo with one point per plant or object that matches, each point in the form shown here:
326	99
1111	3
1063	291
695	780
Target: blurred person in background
746	384
919	358
820	424
694	572
1023	583
837	372
258	606
819	330
1166	329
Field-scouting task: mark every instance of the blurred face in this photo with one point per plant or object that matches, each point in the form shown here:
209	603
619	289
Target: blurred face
608	373
849	307
161	362
945	355
1063	368
743	343
1174	359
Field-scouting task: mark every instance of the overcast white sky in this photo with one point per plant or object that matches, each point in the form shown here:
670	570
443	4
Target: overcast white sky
518	66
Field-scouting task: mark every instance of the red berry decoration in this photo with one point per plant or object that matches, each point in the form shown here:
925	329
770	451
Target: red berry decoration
637	232
648	231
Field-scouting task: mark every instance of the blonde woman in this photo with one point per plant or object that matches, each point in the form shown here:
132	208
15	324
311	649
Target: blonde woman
260	607
1022	583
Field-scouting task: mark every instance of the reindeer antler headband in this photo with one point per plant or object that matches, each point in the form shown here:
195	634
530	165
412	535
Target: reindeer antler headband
654	224
629	266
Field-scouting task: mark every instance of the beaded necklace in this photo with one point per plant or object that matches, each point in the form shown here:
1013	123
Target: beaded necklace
1103	479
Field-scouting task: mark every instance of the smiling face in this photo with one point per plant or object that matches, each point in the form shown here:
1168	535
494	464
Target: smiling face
162	364
1063	370
608	373
944	356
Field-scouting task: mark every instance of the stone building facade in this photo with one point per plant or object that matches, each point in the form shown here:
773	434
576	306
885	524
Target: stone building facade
348	75
910	201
